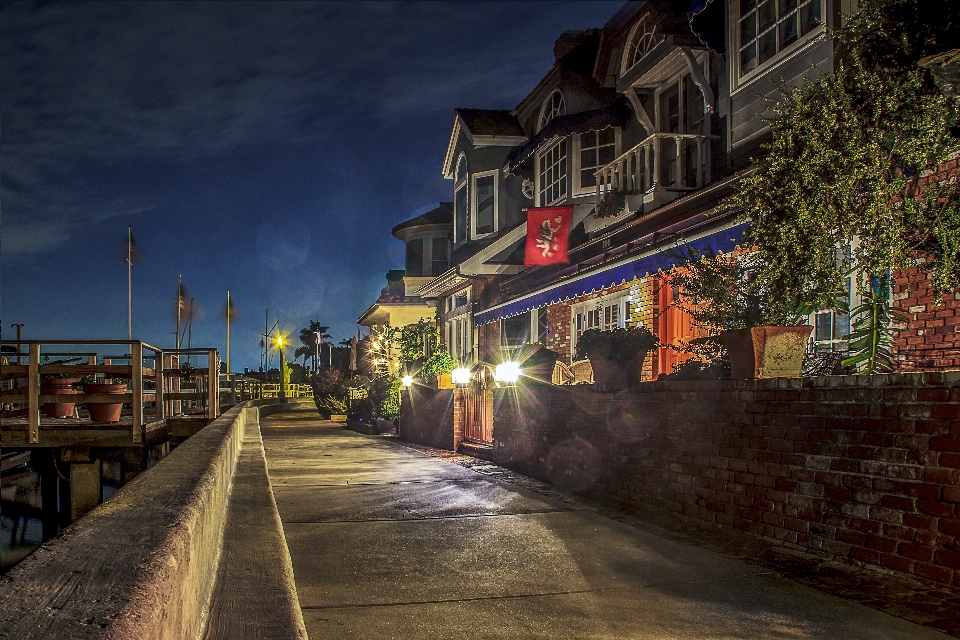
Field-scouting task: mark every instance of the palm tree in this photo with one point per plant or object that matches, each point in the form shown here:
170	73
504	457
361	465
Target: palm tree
308	337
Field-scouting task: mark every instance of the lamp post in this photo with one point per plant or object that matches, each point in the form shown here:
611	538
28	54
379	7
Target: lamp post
283	387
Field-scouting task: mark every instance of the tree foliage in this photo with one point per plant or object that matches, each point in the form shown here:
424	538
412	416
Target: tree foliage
847	153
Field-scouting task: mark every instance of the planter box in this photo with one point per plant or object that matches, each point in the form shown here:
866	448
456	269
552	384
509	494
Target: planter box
610	372
766	352
384	426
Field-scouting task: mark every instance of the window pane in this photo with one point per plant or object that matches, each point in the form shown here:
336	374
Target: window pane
670	109
841	326
810	16
516	330
786	6
767	15
460	207
588	158
788	30
606	136
606	154
823	326
748	28
587	179
768	45
484	199
415	257
747	6
748	58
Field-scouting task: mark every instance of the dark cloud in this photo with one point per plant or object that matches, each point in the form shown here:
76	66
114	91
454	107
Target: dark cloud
327	120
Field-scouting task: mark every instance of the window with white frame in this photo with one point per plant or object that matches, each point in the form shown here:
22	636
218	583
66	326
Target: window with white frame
831	328
458	327
552	174
552	107
605	314
642	40
767	27
485	215
593	150
460	198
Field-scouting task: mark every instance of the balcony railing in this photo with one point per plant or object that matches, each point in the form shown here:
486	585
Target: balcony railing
664	162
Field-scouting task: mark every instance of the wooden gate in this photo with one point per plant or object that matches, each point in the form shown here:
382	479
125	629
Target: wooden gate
478	411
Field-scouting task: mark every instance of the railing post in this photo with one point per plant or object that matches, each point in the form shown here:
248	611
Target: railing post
33	391
160	362
656	162
213	385
136	384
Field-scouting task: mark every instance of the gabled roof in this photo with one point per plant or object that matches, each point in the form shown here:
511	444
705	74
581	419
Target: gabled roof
486	122
483	127
441	215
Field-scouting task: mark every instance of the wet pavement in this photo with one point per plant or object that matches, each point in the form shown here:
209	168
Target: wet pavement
389	542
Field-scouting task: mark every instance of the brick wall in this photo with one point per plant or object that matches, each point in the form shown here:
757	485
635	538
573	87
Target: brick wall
931	338
428	416
866	469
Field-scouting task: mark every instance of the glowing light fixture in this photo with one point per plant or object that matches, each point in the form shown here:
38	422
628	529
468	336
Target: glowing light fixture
460	375
507	372
406	382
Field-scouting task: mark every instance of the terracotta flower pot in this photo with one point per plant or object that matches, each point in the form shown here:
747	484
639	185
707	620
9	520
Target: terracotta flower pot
105	411
611	372
766	352
59	386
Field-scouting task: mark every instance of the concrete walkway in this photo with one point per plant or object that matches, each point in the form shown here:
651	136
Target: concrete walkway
389	543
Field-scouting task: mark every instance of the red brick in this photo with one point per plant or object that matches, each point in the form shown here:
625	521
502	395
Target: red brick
933	572
915	551
950	526
895	562
951	494
935	508
926	491
945	443
864	555
896	502
924	523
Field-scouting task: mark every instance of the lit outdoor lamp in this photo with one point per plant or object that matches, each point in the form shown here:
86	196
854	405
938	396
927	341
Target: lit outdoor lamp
406	382
283	388
460	376
507	373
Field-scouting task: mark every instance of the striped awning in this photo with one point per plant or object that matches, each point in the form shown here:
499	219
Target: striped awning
725	239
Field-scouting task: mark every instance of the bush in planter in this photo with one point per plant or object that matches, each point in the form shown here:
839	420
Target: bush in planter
616	356
757	320
331	391
438	364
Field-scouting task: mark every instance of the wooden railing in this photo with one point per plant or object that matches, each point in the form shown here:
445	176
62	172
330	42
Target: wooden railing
235	388
182	388
672	161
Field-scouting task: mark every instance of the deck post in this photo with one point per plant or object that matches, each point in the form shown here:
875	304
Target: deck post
160	362
33	392
136	386
213	385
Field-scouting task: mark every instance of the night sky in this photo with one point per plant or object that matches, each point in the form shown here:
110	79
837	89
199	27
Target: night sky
267	149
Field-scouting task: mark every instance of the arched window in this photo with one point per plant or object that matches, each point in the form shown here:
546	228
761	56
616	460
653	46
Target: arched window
552	107
460	209
642	40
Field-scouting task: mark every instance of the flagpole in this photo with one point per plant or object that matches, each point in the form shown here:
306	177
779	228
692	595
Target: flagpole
129	284
179	305
228	331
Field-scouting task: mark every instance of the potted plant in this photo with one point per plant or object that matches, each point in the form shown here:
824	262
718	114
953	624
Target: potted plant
100	411
437	369
616	356
59	384
614	202
758	324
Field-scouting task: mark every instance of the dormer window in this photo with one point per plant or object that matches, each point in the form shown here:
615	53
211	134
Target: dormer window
642	40
460	199
484	203
552	107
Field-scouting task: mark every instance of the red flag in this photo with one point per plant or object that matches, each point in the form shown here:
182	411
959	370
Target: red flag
548	235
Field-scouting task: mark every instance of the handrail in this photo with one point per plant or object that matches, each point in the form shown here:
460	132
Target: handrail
651	163
162	390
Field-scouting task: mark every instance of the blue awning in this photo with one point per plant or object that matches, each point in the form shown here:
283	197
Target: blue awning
723	240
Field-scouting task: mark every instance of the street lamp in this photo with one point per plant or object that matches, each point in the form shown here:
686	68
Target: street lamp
283	388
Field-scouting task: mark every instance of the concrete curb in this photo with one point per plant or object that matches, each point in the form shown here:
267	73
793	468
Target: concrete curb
142	565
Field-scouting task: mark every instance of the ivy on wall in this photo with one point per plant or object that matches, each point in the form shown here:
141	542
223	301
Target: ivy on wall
846	158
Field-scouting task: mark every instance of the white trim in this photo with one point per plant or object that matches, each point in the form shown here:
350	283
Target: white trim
628	46
574	163
539	157
613	265
498	141
639	111
448	167
548	101
463	183
472	207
